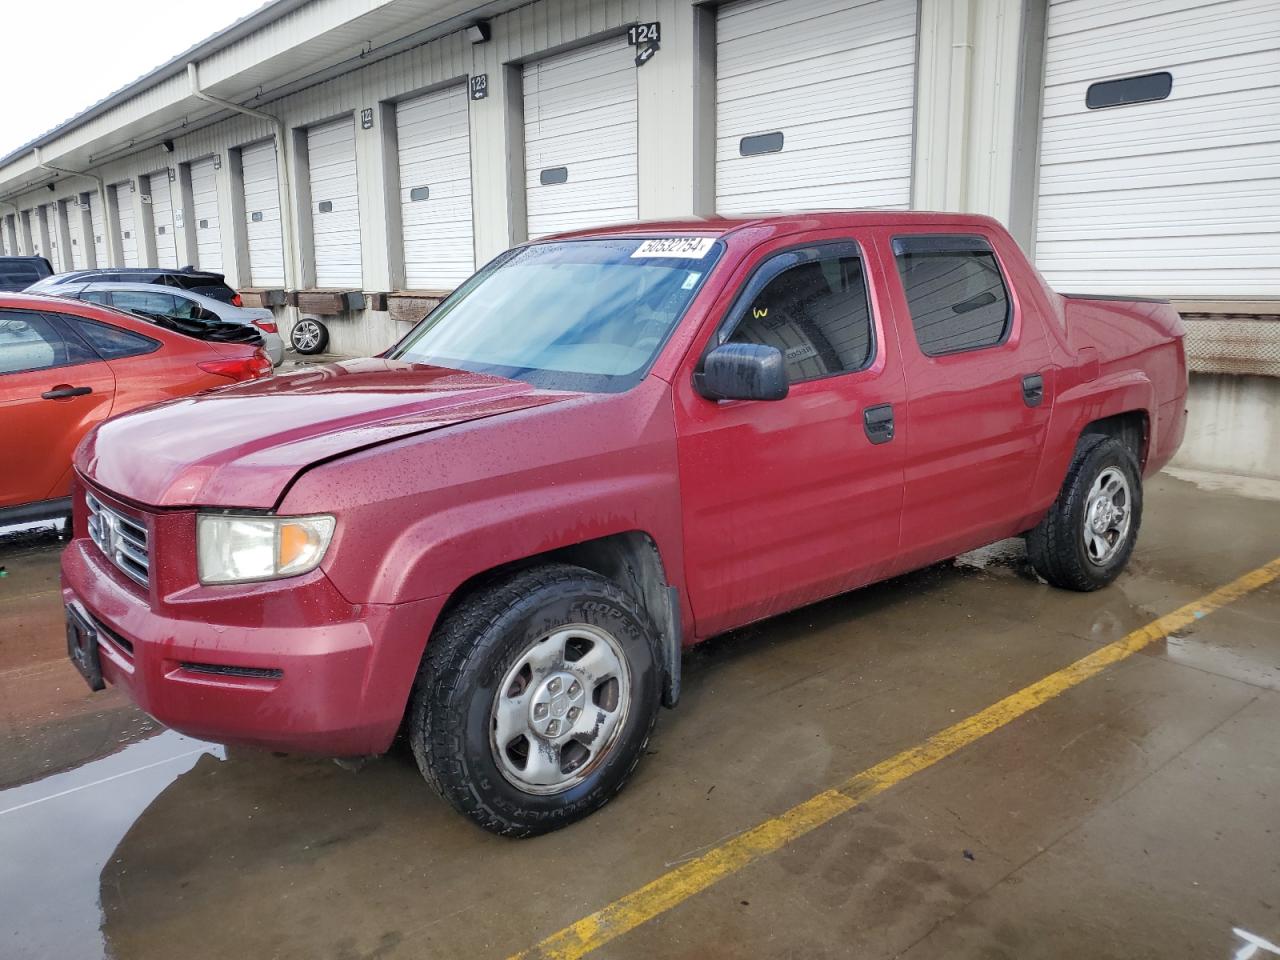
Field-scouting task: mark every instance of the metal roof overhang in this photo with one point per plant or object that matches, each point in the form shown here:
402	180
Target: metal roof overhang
284	46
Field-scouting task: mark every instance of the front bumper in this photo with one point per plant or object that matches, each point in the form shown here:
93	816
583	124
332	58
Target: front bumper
290	676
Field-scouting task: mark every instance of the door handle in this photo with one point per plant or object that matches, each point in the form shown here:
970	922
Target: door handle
65	391
877	423
1033	389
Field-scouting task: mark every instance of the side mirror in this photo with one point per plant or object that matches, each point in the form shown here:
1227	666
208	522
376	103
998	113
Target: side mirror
743	371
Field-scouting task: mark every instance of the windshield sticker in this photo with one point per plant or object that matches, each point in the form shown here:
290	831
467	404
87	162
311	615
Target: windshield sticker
691	280
684	248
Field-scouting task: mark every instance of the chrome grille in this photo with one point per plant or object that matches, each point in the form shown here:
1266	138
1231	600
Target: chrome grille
122	539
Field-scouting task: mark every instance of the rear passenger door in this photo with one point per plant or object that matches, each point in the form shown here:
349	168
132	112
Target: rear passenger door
978	394
788	501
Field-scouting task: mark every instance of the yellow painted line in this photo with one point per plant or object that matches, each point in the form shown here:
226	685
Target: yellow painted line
672	888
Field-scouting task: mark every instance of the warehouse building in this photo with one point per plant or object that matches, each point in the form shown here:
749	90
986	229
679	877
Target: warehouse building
356	161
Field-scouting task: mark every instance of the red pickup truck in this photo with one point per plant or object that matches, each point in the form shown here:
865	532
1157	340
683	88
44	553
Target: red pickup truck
498	536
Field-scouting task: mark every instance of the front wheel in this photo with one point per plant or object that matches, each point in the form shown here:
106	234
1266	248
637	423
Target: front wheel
1089	533
536	699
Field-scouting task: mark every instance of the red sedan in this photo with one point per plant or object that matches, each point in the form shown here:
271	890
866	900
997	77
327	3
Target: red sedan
66	365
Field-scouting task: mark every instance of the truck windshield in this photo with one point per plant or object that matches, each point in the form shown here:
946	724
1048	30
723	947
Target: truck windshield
585	315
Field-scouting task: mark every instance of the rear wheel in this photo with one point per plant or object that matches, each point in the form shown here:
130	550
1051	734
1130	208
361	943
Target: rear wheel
535	699
309	336
1089	533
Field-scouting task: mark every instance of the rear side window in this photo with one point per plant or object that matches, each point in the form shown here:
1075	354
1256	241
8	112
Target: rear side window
29	341
956	294
94	296
815	311
143	301
112	343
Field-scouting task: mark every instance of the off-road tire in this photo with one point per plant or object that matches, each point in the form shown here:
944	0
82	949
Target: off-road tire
1056	546
467	658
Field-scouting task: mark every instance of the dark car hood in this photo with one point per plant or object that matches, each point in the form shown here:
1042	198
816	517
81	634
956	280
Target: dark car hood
241	446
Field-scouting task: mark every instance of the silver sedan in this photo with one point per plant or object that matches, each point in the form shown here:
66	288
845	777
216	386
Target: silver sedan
160	300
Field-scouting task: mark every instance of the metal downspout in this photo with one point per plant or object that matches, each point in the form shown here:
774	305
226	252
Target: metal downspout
282	151
102	197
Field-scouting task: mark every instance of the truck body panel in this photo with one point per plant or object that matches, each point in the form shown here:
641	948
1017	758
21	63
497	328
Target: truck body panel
438	477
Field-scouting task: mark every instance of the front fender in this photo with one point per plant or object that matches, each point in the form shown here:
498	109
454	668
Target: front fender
439	552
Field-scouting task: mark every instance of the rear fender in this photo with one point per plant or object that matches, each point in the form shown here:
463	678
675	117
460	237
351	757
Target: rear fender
1078	406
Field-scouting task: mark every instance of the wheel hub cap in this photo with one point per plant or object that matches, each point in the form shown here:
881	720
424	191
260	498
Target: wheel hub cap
1106	516
559	710
556	704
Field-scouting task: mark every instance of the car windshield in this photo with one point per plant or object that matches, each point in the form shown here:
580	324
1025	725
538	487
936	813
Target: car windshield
571	315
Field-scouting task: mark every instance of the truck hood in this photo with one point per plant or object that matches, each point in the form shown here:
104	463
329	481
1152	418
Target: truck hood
241	446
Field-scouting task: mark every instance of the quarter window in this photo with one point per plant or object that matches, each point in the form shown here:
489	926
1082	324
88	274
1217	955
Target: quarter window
815	311
956	295
112	343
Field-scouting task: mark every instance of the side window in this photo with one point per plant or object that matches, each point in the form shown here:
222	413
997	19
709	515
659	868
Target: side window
29	341
955	292
94	296
185	309
142	301
815	311
111	342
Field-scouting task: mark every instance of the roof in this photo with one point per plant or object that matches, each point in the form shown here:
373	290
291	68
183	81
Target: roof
780	223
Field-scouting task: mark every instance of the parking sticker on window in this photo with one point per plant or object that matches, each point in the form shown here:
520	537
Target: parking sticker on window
691	280
685	248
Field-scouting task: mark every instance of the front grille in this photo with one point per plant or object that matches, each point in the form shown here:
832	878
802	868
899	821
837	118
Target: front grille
122	539
110	634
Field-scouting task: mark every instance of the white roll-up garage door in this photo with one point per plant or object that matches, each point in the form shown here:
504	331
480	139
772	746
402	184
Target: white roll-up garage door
204	214
262	214
101	258
162	219
1169	184
335	204
434	140
77	255
814	104
580	138
128	231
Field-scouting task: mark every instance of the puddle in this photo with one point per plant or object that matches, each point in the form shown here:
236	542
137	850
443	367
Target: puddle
1247	663
58	833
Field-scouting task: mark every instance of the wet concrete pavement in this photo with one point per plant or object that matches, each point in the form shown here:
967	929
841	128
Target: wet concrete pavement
1136	815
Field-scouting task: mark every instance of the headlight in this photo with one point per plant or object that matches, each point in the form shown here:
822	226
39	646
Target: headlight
242	549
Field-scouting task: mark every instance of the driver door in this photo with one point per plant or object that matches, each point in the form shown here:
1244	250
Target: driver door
789	501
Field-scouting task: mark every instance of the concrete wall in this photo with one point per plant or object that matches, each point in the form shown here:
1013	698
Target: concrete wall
1233	425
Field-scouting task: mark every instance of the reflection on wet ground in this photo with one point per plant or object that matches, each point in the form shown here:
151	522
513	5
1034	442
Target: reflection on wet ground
1135	815
67	827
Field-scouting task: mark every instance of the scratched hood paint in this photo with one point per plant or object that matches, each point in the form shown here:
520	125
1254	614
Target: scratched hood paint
240	446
